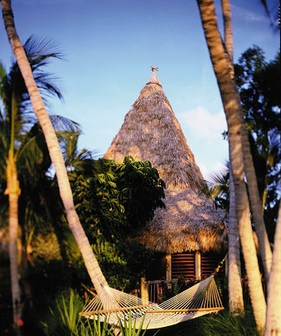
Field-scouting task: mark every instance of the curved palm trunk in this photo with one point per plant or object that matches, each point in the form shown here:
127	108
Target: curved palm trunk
273	313
235	291
90	261
232	107
13	191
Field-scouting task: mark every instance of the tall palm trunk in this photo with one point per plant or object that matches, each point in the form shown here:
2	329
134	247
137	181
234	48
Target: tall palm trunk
223	68
90	261
257	212
256	204
13	191
227	23
235	291
273	313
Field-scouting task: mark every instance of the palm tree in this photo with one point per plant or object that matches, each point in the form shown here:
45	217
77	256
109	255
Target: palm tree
273	313
258	83
222	191
74	159
224	73
264	245
91	263
235	291
22	143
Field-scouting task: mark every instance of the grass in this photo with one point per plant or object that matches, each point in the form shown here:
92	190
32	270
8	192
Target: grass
221	324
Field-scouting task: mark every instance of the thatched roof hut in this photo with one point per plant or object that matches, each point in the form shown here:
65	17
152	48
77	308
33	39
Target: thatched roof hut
152	132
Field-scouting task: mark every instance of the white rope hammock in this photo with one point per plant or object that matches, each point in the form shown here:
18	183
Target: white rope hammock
198	300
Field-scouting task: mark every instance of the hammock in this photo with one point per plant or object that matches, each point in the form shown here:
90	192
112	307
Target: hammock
201	299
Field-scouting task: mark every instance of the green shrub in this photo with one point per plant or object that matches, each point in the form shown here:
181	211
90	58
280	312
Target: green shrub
66	321
129	328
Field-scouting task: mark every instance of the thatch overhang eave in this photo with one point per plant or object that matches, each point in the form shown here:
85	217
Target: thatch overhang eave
183	242
188	223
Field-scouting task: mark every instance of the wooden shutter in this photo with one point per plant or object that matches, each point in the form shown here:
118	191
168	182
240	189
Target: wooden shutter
183	265
209	261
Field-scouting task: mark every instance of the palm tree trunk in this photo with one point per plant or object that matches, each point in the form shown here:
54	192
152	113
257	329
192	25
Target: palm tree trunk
273	313
235	291
90	261
232	107
227	23
264	246
256	204
13	191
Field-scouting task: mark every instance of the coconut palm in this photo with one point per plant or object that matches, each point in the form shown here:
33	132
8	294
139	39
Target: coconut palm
264	246
224	73
273	313
235	293
13	191
221	189
91	263
76	160
23	142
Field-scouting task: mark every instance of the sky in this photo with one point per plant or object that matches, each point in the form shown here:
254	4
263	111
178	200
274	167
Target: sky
108	47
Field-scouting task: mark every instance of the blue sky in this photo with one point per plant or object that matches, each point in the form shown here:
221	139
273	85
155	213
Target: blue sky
109	46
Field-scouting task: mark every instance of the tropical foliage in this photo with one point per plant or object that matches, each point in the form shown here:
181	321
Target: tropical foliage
117	197
113	200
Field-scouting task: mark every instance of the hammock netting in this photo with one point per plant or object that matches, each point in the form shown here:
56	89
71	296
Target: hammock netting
201	299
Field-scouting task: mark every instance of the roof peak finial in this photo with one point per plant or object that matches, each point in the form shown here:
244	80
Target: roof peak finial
153	69
153	78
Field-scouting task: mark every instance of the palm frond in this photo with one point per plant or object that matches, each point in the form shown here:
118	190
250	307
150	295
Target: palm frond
63	124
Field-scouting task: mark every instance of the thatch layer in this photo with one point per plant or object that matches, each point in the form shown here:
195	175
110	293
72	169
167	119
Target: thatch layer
189	223
152	132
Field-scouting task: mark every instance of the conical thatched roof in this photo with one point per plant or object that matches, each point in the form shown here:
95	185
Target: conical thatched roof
152	132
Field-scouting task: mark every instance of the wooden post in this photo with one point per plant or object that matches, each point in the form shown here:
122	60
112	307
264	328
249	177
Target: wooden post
168	267
144	291
197	265
226	265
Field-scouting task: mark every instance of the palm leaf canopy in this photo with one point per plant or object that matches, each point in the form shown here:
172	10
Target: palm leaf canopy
152	132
